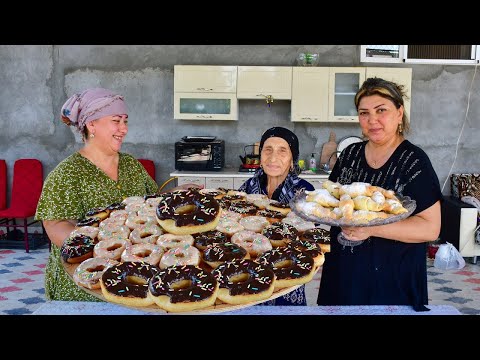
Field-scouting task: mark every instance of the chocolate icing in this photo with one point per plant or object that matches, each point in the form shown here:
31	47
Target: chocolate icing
300	266
206	208
201	284
76	246
116	206
116	278
279	205
243	207
202	240
279	231
260	277
92	221
271	214
224	252
317	235
310	248
94	211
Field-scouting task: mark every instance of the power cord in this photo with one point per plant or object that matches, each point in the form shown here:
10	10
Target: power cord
461	130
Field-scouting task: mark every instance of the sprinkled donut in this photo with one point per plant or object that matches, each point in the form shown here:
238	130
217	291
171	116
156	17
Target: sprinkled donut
113	231
244	208
255	243
113	222
271	215
230	215
98	212
169	241
229	226
259	200
298	223
310	248
183	288
320	236
280	234
146	233
244	281
186	212
77	248
88	272
93	221
254	223
127	283
216	254
134	220
115	207
202	240
149	253
277	206
179	256
133	200
111	248
91	231
291	267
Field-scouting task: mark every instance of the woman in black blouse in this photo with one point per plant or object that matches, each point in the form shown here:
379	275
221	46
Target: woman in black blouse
389	267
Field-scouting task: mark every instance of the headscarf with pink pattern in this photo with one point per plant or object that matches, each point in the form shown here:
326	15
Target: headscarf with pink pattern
90	105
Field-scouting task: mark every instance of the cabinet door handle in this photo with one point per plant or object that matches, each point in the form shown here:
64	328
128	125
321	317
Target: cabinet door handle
205	89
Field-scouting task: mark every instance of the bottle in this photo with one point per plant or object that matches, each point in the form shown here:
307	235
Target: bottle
313	163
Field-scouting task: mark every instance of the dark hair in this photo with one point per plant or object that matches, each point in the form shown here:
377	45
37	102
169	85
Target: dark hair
388	90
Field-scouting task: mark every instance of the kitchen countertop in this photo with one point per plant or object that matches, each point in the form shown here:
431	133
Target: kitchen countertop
233	172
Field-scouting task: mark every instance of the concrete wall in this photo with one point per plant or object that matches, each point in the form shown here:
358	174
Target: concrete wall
36	80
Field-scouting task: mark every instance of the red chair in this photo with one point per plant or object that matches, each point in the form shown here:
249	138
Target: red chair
26	189
3	184
149	165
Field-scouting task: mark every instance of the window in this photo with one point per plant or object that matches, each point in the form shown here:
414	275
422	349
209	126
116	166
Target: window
421	54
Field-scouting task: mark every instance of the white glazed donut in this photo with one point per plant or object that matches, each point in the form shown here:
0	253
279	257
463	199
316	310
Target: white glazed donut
145	233
298	223
179	256
111	248
133	200
149	253
169	241
255	243
230	215
113	232
254	223
113	222
134	220
89	272
91	231
229	226
119	214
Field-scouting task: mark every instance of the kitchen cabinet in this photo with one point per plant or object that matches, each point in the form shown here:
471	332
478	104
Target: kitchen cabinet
231	178
264	82
309	94
205	92
343	84
401	76
326	94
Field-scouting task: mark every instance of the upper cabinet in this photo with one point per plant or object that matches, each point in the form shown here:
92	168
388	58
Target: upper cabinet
343	84
267	83
310	94
326	94
401	76
205	79
205	92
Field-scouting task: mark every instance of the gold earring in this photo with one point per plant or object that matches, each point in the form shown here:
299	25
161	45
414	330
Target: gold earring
400	128
92	136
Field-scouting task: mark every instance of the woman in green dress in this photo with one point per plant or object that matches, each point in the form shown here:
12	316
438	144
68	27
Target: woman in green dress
96	176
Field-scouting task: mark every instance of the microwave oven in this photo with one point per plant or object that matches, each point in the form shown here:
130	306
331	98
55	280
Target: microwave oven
199	154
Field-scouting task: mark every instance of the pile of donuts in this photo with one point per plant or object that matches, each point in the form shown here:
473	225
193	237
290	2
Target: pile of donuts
190	249
355	203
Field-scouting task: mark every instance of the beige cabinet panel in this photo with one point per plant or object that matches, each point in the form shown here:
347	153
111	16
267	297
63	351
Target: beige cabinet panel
238	181
344	83
200	78
261	82
402	76
197	180
214	183
202	106
310	94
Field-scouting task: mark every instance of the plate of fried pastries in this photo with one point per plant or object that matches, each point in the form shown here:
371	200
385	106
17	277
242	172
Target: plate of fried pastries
356	204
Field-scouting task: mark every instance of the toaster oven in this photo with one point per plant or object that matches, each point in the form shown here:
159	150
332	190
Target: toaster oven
199	153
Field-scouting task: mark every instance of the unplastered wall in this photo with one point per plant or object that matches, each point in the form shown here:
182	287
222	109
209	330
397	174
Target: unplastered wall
36	80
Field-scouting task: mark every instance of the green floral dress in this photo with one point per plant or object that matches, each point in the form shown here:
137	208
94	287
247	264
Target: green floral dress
75	186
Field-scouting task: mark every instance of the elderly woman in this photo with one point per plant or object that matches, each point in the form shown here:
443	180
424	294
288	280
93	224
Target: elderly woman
388	267
277	178
95	176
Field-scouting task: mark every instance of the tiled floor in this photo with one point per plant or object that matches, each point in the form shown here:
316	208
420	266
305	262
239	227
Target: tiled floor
22	288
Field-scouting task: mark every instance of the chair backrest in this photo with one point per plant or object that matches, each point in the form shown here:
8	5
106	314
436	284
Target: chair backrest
27	184
149	165
3	184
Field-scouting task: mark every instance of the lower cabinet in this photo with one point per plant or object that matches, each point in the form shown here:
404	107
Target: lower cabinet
220	182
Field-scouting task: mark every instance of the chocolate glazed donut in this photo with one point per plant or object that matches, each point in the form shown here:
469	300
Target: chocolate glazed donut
243	281
185	212
310	248
202	240
216	254
291	267
77	248
127	283
183	288
280	234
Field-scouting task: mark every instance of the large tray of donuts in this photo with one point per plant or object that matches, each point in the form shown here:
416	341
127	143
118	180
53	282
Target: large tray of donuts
356	204
193	251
